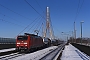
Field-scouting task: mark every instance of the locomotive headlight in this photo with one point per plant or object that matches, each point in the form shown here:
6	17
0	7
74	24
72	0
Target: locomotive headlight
25	43
18	43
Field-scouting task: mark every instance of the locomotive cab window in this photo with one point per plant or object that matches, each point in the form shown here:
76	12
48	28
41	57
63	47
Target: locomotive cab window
22	38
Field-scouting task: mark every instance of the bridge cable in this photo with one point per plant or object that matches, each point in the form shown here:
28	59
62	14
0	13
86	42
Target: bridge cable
33	25
34	9
28	26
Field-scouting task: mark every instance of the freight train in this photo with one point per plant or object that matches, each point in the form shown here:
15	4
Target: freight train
31	41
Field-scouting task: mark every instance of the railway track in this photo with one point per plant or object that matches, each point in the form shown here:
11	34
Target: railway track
53	55
7	52
10	56
44	54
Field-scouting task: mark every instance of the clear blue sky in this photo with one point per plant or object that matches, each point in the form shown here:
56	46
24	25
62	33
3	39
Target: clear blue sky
62	13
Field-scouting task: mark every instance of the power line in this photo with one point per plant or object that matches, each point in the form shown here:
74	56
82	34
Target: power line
81	5
39	6
11	22
34	24
34	8
40	29
14	12
30	23
9	17
38	25
78	9
28	26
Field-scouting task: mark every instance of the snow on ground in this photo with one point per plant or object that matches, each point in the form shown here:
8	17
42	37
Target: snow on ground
72	53
5	50
36	55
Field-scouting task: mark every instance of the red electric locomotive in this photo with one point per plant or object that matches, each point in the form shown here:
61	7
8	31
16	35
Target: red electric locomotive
28	41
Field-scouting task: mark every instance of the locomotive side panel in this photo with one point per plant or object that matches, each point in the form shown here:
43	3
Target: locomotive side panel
37	42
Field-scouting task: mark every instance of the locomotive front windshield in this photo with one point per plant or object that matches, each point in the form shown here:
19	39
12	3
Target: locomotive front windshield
22	38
